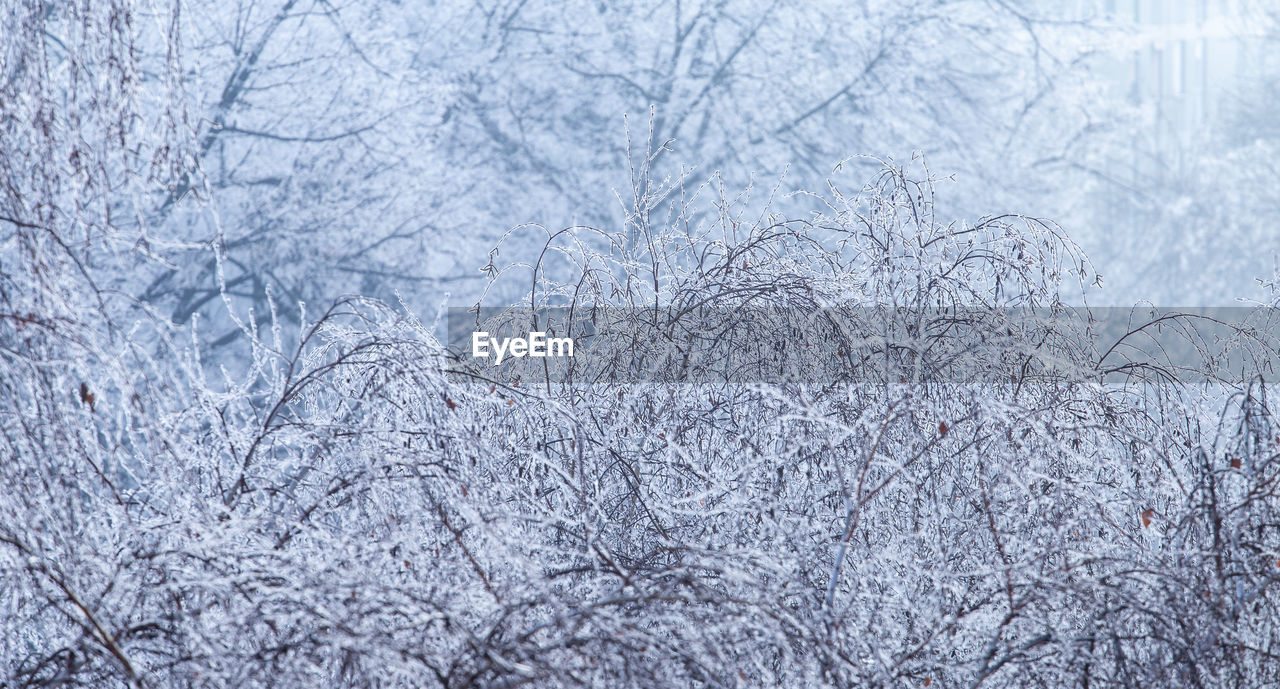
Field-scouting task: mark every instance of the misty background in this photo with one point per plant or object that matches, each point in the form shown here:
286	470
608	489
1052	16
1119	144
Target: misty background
384	149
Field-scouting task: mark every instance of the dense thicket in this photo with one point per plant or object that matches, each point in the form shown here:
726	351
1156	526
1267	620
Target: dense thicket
329	507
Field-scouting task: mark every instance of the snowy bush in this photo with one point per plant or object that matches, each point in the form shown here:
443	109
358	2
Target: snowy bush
345	512
349	503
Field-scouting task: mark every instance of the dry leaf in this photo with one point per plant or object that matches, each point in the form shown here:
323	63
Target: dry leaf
943	428
86	397
1147	516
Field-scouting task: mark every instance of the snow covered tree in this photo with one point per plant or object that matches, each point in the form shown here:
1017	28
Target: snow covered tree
339	148
352	503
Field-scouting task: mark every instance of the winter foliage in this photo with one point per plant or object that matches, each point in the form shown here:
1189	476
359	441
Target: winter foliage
220	469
